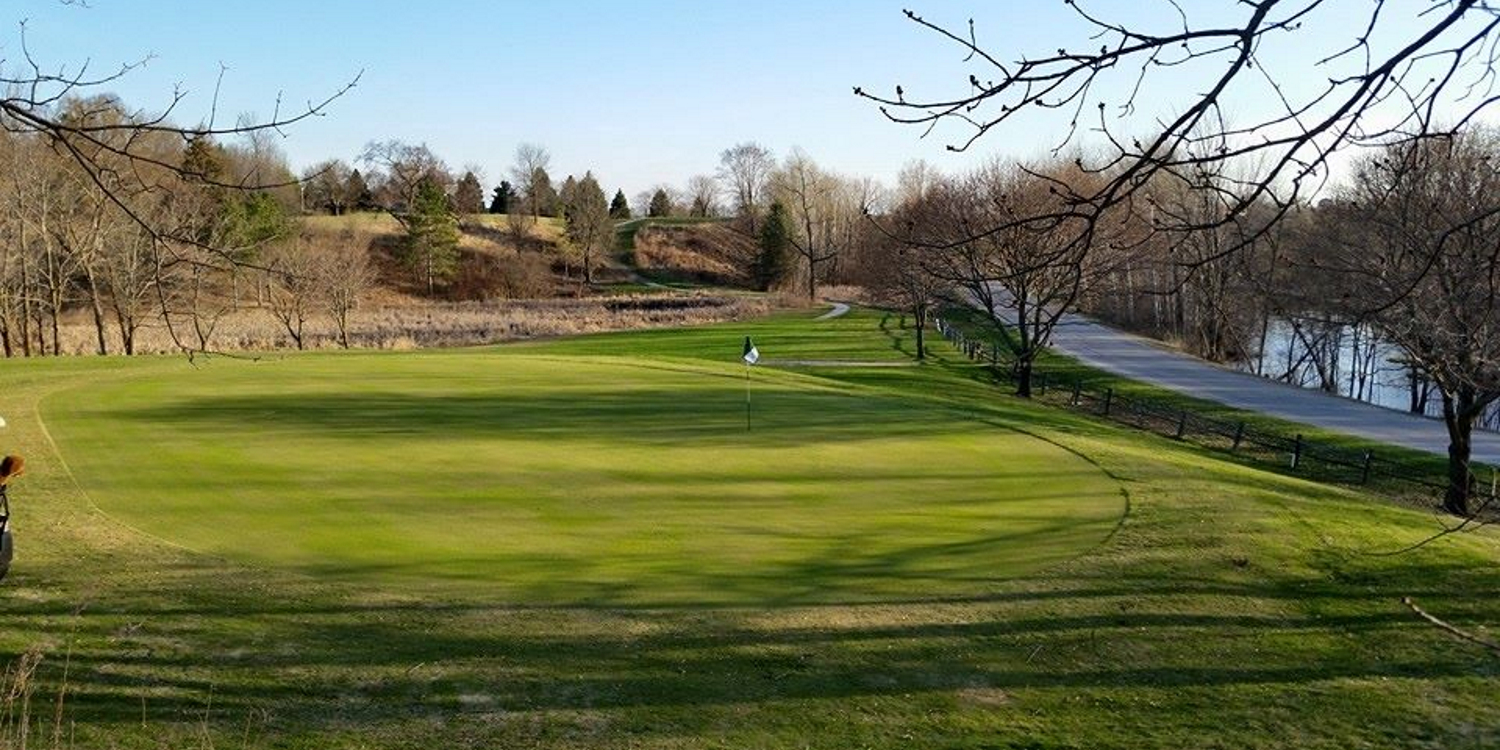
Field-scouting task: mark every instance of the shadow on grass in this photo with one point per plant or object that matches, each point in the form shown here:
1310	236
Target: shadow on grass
658	414
371	664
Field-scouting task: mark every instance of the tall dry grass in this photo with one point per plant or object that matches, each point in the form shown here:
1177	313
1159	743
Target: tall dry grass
29	719
439	324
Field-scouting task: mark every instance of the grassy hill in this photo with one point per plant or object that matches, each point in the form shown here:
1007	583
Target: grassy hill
689	250
576	544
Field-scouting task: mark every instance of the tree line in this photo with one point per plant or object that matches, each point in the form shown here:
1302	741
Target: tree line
147	226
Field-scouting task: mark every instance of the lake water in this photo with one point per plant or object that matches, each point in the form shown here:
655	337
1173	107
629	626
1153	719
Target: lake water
1350	361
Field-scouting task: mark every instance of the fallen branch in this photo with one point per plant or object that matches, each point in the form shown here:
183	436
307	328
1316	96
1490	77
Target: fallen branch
1487	643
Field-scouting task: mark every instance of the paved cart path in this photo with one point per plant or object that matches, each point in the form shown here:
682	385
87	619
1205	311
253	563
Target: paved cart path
1141	359
839	308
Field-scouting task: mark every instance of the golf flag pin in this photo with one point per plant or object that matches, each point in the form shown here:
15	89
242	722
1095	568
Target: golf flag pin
752	355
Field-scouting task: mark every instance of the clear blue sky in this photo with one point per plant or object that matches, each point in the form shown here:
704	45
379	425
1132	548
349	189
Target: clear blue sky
640	93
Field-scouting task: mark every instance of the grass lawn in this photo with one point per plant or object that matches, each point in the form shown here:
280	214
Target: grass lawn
576	544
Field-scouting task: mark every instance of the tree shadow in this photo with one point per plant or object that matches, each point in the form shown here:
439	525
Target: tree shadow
661	415
379	665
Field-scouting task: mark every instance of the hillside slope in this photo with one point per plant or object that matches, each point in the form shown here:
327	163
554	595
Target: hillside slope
700	252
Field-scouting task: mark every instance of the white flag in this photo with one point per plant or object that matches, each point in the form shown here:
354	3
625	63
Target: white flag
752	355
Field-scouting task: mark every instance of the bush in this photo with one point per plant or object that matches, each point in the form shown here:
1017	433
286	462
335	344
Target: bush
487	277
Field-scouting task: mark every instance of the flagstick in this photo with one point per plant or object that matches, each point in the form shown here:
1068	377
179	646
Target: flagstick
747	396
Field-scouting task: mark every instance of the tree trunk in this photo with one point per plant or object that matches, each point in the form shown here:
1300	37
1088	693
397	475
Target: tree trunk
1023	376
25	305
921	316
1458	415
98	310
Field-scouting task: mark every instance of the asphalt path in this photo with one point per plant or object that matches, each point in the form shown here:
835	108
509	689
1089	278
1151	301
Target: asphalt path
839	308
1141	359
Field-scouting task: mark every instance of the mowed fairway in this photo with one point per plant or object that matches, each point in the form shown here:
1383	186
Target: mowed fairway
579	479
574	544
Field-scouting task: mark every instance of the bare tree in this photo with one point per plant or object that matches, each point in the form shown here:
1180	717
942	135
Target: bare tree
327	186
294	272
1410	246
824	210
744	170
95	139
531	163
345	274
703	195
893	269
1385	71
1025	276
130	276
402	168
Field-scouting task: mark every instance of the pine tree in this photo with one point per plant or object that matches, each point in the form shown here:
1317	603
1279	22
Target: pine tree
661	204
619	208
541	199
567	196
775	262
202	160
504	197
359	193
430	247
468	196
589	228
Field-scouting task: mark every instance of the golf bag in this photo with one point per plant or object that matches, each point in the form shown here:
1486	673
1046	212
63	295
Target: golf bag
7	545
10	467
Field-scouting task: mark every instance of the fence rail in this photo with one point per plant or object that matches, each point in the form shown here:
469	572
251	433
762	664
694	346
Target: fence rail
1299	454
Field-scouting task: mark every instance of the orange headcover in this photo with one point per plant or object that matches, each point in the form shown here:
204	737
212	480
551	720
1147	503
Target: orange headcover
11	467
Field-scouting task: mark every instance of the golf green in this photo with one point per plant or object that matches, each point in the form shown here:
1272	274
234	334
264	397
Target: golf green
517	475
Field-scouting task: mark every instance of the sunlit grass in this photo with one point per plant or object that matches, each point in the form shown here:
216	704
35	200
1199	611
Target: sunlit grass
217	601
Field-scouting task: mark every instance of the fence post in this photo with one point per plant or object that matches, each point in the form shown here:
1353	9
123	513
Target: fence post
1297	451
1364	475
1181	424
1239	436
1109	397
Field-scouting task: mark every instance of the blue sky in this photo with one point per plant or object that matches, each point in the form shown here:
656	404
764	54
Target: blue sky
640	93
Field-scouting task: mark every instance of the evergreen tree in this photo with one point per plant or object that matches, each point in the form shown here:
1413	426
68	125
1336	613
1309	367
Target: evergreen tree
359	194
430	247
619	208
504	197
661	204
202	160
589	228
541	200
468	196
202	169
775	263
567	196
253	219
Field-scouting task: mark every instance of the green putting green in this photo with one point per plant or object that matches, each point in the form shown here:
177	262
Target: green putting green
522	475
